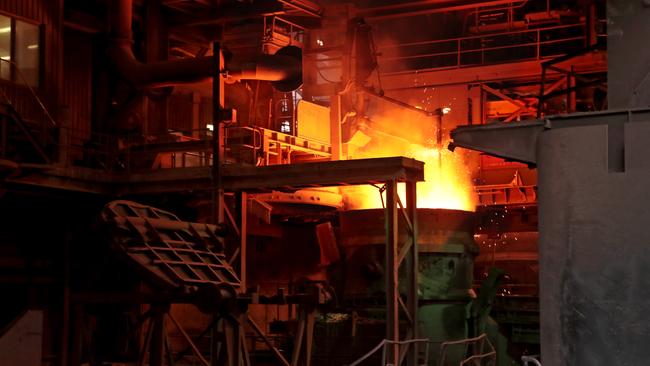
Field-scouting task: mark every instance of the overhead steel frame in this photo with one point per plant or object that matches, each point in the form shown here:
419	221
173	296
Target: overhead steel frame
395	254
386	171
398	255
572	80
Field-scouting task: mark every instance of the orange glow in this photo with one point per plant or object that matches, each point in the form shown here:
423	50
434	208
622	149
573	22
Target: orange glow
447	182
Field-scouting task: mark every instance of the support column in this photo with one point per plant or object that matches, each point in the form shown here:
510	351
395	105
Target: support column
196	116
231	342
217	143
245	357
302	319
309	336
571	93
76	337
216	346
391	273
157	345
65	306
412	270
242	201
335	126
305	333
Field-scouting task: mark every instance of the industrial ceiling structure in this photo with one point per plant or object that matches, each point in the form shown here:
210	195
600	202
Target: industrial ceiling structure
323	182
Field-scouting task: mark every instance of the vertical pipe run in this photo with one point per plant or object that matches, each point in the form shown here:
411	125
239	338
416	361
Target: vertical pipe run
391	273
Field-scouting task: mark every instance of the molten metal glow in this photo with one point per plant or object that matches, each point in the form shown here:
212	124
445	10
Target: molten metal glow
447	183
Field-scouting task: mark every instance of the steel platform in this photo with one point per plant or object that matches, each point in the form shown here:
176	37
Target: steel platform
235	177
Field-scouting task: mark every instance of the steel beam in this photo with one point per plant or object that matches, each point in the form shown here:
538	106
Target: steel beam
518	142
515	142
196	350
293	176
235	177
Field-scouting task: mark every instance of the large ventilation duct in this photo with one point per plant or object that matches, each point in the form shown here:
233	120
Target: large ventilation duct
284	68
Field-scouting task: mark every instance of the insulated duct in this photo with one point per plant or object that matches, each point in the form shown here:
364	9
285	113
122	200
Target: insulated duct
284	68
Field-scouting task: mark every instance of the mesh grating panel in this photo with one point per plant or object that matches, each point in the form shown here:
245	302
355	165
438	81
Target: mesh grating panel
171	252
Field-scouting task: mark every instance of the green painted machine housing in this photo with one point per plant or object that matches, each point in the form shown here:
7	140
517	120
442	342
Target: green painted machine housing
446	260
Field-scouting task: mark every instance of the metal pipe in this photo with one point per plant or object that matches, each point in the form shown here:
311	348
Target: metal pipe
264	67
278	68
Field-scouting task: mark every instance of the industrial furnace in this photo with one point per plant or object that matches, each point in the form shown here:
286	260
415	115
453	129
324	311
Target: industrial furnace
268	182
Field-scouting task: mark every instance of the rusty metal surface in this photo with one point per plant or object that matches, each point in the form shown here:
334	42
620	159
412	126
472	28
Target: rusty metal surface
445	245
171	252
435	226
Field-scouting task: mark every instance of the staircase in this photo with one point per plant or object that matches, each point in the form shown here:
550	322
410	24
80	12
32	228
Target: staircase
24	141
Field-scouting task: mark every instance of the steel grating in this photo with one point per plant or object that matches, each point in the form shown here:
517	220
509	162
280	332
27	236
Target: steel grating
171	252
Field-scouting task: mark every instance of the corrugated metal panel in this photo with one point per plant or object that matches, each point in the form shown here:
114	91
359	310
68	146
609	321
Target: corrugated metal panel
76	97
180	116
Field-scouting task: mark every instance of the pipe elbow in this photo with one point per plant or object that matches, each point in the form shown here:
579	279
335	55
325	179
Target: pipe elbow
158	74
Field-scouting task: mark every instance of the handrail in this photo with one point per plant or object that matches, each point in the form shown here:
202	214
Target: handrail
474	50
441	52
481	354
31	90
531	359
382	345
488	35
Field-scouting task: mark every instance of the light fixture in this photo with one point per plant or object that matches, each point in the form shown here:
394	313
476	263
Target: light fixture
446	110
320	42
32	46
6	58
209	127
5	29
